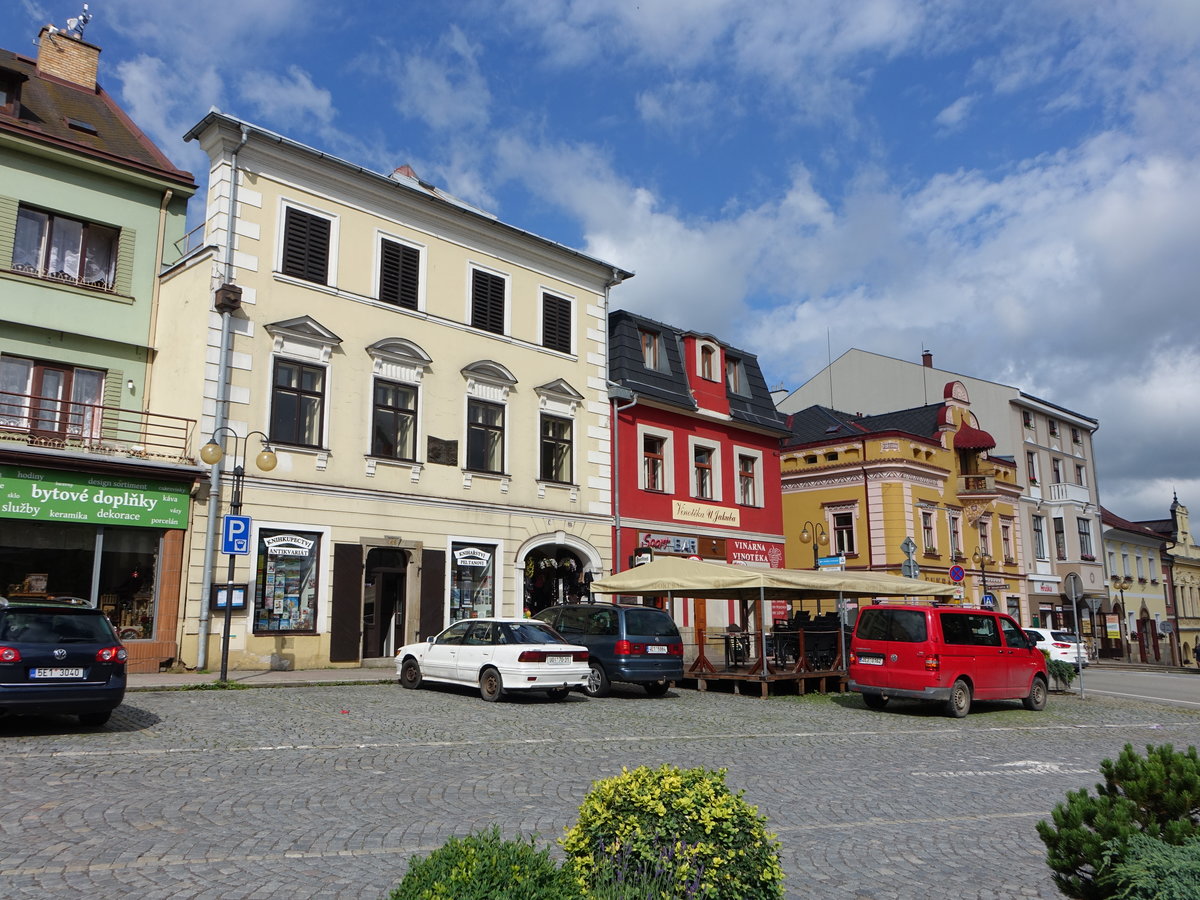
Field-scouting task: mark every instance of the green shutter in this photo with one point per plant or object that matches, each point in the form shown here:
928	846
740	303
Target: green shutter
123	283
110	425
8	230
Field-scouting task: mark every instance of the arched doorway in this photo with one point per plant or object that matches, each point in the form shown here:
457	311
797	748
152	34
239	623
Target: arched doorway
384	576
553	575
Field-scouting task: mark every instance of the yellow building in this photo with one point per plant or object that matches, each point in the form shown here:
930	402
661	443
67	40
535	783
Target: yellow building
860	491
1181	579
430	384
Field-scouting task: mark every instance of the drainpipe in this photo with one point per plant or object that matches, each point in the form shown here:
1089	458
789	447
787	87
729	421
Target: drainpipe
867	505
221	417
616	393
154	294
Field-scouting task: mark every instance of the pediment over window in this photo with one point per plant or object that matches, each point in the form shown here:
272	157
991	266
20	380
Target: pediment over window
558	396
303	336
399	358
488	379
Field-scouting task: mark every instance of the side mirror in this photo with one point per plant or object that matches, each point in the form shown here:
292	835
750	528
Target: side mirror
431	638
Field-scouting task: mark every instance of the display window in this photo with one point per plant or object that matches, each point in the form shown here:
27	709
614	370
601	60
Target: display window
285	594
472	581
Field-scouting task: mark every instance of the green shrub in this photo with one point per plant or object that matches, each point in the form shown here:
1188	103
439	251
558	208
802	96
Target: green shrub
485	866
1157	795
1062	672
1152	870
683	825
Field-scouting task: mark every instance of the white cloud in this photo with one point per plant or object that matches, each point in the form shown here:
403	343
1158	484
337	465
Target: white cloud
291	98
954	115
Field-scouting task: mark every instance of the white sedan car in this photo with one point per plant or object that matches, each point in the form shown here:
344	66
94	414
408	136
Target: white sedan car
1061	645
498	655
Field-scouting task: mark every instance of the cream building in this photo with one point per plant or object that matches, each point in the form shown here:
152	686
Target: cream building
431	385
1138	574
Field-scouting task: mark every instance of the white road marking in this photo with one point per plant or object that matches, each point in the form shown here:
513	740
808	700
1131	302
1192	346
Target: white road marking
1142	697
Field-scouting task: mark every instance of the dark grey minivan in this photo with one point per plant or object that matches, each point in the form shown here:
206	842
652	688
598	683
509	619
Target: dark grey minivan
626	642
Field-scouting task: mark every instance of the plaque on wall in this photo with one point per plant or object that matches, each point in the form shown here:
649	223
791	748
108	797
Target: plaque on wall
444	453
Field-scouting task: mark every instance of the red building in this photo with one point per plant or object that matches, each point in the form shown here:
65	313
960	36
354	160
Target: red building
696	467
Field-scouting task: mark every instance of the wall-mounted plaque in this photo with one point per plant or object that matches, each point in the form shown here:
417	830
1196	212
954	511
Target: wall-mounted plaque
444	453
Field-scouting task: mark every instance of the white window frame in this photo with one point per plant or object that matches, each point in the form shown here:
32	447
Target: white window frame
668	439
695	444
831	514
1041	546
422	249
760	497
334	233
954	530
929	530
714	374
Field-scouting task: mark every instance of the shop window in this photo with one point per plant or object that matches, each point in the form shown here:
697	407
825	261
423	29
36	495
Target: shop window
485	436
64	249
399	273
556	449
50	398
487	301
285	593
307	241
298	404
556	323
472	580
394	421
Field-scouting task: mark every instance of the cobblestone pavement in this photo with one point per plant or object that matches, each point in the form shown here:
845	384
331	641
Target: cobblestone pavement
326	791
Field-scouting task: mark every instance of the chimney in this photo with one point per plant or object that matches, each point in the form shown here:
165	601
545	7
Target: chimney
69	58
927	358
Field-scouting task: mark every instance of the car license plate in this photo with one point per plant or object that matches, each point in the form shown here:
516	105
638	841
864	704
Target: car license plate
870	660
656	648
56	673
558	660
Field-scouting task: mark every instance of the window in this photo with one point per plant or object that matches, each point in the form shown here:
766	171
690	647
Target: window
285	591
702	459
556	323
956	536
1052	427
1076	436
1138	561
1056	470
556	449
1031	470
487	301
747	487
927	531
1060	537
394	421
985	538
971	629
1080	477
64	249
653	463
735	376
1006	544
1026	418
485	436
306	245
1039	537
399	273
297	404
843	533
49	398
708	356
1125	564
651	349
1085	539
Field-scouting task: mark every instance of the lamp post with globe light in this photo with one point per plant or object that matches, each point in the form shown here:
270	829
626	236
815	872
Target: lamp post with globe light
212	453
814	534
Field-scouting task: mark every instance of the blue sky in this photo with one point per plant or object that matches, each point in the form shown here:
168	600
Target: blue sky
1013	186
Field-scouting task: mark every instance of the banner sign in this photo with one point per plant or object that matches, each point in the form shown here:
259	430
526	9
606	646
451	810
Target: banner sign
44	495
706	513
758	554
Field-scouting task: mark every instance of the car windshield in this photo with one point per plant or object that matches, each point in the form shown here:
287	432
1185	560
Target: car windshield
41	627
529	633
649	623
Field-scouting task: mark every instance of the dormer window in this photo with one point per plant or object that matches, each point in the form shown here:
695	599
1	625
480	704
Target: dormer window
10	92
651	349
735	376
708	355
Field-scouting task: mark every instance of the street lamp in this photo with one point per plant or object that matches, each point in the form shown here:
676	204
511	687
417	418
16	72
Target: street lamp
212	454
814	534
1122	584
981	559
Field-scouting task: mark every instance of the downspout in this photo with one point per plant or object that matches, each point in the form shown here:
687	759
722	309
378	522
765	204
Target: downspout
867	505
616	393
220	418
154	294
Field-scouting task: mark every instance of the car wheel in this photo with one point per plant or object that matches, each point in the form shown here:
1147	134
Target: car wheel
1037	695
558	693
410	674
657	688
959	703
491	685
95	719
598	684
875	701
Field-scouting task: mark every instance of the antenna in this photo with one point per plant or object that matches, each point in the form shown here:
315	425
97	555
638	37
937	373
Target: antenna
76	24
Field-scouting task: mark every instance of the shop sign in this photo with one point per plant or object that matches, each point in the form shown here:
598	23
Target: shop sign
42	495
472	556
703	512
755	553
669	543
1112	626
288	545
1045	587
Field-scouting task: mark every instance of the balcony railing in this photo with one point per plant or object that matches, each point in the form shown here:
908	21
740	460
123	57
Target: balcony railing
976	484
93	428
1065	492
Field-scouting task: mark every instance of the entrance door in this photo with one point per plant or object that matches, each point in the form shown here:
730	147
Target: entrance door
383	601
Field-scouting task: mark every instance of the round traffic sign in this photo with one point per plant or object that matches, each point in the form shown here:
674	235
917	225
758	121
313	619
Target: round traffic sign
957	573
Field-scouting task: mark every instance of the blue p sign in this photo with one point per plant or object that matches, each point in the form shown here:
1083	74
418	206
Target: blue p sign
235	535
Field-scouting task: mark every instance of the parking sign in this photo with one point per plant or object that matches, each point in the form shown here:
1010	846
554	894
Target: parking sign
235	535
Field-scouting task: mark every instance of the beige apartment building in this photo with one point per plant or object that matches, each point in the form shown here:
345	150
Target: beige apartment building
429	388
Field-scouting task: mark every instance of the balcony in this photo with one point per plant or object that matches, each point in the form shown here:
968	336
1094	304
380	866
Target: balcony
1065	492
93	428
977	484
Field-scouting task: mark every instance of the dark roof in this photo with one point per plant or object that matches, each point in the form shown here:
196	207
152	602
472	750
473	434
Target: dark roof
1111	519
819	423
81	120
669	384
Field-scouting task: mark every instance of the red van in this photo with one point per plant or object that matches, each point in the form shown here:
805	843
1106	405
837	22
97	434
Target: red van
945	653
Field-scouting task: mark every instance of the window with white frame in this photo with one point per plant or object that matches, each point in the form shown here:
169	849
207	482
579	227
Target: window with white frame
1056	469
1027	418
1076	436
394	421
1006	542
956	545
657	472
556	439
50	399
703	461
843	533
1138	561
308	239
651	342
1031	468
1086	550
707	361
488	291
750	476
556	323
485	436
297	404
735	376
1039	537
928	532
61	248
399	273
1060	537
1052	427
985	536
1125	564
1080	477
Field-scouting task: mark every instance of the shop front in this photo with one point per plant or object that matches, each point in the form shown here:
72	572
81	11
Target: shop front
113	538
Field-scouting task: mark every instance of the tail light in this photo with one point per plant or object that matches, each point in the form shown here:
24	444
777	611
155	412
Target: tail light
532	656
675	649
580	656
933	663
853	657
111	654
1062	646
623	648
10	654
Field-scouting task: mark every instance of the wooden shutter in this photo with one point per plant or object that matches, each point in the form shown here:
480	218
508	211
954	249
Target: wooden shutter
110	422
556	323
8	230
487	302
306	246
399	274
433	592
345	620
123	277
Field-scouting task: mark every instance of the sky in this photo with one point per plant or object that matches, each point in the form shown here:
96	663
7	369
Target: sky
1013	186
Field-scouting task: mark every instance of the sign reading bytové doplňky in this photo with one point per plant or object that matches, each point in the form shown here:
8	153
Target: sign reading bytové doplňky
46	495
